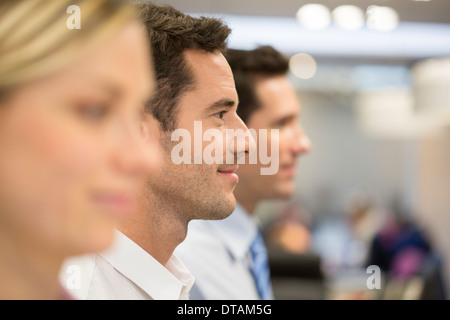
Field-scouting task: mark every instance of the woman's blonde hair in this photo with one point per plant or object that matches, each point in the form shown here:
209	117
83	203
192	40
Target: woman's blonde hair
35	38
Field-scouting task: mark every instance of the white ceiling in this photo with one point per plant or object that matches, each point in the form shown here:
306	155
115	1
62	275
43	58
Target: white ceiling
424	30
436	11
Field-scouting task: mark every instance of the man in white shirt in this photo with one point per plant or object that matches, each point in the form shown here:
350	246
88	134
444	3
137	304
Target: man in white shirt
194	92
221	254
126	272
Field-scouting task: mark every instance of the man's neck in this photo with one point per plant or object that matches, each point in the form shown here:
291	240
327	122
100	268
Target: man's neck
246	201
156	227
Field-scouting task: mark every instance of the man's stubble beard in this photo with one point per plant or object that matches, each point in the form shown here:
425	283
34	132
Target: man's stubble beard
189	191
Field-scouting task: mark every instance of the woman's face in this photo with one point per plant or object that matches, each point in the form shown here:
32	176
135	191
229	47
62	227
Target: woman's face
72	151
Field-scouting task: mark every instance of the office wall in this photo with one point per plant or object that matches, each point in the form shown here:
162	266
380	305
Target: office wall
433	190
345	159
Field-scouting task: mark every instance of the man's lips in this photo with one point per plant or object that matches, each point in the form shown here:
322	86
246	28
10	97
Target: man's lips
289	168
229	172
229	169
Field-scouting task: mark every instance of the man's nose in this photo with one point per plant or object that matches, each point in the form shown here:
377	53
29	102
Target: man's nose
301	143
244	143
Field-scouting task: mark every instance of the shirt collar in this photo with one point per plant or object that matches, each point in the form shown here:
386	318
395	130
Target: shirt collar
237	231
170	282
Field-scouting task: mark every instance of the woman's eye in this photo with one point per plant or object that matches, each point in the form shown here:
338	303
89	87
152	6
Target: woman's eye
93	112
220	114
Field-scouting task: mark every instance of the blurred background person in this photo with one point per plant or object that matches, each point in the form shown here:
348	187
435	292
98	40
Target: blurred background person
73	153
404	252
228	258
290	229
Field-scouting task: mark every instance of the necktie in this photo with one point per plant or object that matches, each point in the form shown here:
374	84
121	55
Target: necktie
260	267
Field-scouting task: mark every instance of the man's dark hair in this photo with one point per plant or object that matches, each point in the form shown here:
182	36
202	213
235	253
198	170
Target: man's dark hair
247	67
170	33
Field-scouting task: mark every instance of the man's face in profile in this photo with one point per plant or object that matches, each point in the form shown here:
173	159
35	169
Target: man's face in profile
280	109
203	191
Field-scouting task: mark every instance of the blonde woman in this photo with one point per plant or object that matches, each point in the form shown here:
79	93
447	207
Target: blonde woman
72	151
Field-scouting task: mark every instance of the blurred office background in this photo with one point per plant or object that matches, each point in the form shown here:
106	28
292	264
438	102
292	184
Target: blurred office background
373	77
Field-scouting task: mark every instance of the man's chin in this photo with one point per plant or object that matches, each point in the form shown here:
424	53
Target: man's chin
285	192
217	210
225	208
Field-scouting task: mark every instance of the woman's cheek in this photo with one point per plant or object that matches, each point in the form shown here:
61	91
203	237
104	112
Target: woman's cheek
68	165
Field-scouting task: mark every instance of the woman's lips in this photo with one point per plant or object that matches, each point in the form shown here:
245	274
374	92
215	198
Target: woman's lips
117	203
229	172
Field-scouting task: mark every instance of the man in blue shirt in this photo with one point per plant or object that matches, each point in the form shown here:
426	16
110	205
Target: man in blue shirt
228	257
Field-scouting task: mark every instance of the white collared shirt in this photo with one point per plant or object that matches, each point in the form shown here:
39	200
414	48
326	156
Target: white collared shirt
217	253
125	272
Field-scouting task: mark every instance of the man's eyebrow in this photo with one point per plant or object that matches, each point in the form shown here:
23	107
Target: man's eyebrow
284	119
227	103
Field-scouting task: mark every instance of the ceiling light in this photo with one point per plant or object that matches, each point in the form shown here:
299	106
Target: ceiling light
303	66
314	16
382	18
348	17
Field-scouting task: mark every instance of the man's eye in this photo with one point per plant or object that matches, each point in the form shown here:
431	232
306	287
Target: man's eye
220	114
283	123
